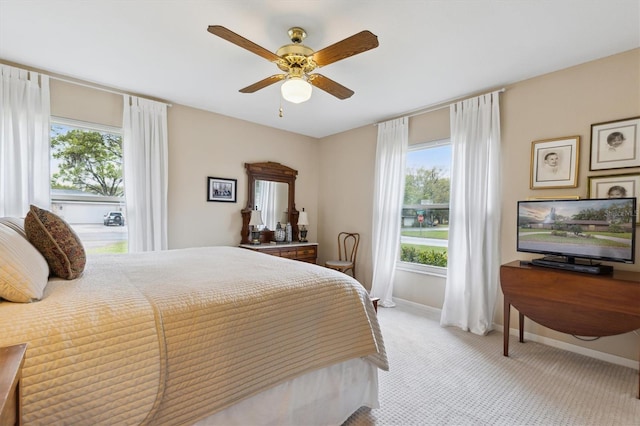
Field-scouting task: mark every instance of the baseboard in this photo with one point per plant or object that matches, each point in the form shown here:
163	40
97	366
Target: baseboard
419	308
434	314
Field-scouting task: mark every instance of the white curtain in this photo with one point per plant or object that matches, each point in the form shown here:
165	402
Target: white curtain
474	230
24	141
266	203
145	159
391	153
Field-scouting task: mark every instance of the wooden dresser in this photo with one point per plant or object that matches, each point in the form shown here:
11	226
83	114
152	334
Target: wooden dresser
304	252
11	360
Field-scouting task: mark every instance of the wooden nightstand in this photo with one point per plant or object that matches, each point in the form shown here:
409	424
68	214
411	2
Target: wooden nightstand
11	361
304	252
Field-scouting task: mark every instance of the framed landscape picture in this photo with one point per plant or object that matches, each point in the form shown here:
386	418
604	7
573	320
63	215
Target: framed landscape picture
614	144
221	189
554	163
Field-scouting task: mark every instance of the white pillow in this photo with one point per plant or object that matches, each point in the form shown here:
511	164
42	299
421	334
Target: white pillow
15	223
23	270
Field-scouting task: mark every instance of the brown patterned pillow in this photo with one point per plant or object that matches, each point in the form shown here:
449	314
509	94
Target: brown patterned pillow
57	242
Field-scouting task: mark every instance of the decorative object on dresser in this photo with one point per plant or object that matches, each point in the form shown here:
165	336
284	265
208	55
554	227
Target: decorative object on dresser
615	144
280	233
347	252
255	222
303	222
272	187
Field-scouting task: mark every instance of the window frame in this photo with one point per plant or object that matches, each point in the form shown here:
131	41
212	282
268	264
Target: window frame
113	203
418	267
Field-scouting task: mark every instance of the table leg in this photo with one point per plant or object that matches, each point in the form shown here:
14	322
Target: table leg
521	326
507	314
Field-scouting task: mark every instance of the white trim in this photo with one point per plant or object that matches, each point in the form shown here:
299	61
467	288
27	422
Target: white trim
430	144
420	268
434	313
418	308
438	106
86	125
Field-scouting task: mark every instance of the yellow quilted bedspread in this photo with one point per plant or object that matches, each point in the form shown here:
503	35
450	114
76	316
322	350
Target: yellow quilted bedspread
171	337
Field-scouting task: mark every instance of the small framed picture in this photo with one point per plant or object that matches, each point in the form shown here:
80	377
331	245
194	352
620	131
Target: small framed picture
554	163
221	189
617	186
614	144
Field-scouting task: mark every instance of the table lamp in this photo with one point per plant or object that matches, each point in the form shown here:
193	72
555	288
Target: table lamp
255	222
303	222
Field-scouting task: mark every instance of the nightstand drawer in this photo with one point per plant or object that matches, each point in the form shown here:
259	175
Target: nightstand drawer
289	253
307	252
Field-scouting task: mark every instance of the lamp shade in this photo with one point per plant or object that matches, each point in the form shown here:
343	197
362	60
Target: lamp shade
256	218
303	219
296	90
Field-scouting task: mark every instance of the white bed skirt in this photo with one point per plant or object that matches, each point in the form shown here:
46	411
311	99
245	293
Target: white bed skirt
323	397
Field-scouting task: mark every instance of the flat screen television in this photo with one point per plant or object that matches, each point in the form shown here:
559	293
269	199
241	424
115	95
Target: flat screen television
576	233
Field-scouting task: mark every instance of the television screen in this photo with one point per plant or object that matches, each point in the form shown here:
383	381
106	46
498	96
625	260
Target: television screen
603	229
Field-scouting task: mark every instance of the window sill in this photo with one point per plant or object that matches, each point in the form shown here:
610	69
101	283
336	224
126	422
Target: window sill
422	269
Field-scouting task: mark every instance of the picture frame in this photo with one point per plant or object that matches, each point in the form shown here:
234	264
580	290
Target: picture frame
615	144
554	163
615	186
222	189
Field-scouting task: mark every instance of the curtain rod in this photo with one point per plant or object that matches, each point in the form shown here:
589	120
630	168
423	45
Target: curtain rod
436	107
104	89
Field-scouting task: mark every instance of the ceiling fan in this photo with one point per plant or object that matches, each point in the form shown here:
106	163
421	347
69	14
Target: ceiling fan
299	61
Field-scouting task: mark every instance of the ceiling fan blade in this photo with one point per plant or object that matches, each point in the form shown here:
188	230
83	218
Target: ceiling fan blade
357	43
238	40
263	83
330	86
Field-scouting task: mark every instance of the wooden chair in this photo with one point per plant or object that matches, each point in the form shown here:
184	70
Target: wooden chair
347	253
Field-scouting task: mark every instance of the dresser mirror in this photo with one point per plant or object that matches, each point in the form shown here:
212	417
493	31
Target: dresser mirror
271	188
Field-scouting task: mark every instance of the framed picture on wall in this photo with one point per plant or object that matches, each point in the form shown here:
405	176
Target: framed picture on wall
221	189
554	163
617	186
614	144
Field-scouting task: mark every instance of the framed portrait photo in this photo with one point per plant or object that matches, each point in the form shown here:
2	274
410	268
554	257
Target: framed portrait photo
221	189
614	144
617	186
554	163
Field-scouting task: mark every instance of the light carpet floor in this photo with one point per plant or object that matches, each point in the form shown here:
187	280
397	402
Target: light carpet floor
444	376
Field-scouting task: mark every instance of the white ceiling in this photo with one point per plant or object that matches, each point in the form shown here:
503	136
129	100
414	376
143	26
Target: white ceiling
430	51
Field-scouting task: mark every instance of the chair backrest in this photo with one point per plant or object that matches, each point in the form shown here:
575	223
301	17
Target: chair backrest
348	246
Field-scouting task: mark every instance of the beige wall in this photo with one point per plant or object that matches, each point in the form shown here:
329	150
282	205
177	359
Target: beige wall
563	103
204	144
336	173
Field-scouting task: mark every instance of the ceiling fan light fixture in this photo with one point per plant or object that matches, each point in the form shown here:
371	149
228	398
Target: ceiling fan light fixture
296	90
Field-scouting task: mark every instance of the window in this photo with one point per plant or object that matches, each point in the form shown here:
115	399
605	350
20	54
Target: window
425	210
87	188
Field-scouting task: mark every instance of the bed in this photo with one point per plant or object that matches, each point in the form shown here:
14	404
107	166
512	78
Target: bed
212	335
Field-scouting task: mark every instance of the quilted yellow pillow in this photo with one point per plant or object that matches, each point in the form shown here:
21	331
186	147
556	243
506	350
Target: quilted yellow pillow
57	242
23	270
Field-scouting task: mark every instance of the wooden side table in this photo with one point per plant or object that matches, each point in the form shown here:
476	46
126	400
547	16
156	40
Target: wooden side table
571	302
11	361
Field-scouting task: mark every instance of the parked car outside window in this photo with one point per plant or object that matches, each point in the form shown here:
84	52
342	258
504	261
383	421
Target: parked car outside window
114	218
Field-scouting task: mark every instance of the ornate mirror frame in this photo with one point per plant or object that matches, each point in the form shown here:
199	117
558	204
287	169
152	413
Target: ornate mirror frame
275	172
